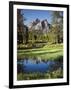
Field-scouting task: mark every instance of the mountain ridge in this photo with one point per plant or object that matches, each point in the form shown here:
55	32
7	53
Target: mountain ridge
41	25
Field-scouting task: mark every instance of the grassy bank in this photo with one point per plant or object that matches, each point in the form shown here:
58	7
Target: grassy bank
48	52
49	75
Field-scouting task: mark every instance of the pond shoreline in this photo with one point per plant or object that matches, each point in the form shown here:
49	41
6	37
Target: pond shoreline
47	53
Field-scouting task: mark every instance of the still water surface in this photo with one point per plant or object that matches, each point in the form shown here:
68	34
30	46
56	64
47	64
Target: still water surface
33	65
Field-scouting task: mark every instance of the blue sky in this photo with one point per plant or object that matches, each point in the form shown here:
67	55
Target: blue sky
31	15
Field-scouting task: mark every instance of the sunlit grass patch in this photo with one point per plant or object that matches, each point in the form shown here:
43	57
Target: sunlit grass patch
47	52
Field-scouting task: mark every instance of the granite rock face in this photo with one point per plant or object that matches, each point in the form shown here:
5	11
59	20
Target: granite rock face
42	26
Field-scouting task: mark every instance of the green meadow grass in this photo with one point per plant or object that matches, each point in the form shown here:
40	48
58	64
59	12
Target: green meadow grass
48	52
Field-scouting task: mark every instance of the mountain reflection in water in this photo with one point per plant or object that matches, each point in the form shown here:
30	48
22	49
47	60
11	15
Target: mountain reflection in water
37	65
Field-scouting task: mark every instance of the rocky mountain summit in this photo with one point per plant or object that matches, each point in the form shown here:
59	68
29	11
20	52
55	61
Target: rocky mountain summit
42	26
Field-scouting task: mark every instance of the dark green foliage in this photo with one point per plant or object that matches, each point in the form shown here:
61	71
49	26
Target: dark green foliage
57	21
26	35
19	26
22	30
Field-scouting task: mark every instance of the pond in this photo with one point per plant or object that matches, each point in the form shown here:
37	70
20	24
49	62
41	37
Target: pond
36	65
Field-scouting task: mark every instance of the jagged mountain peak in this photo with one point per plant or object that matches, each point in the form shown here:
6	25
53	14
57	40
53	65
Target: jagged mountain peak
38	24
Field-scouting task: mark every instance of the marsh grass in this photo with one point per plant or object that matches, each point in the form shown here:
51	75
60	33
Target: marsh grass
48	75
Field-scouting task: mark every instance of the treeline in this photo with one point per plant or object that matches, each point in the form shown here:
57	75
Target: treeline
22	30
55	35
